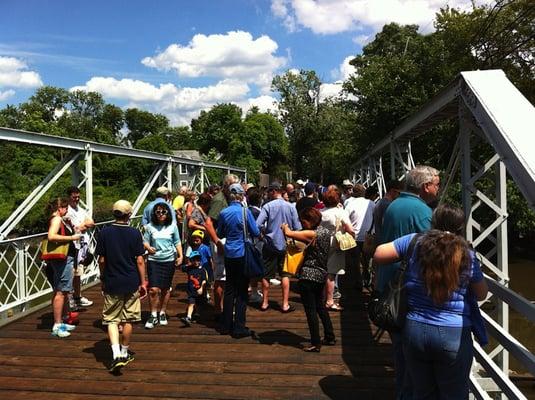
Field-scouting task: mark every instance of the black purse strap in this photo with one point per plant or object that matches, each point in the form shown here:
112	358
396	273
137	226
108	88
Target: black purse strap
408	255
245	230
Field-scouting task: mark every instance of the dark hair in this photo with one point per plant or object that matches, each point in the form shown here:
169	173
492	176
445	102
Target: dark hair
394	184
371	192
254	198
311	215
444	254
448	218
204	199
72	189
358	190
55	204
331	198
168	218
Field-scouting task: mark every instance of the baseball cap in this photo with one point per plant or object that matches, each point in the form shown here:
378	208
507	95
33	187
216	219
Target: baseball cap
310	188
300	182
194	254
236	188
122	206
347	182
198	233
163	190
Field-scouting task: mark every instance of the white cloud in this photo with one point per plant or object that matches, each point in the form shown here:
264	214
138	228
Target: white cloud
264	103
14	73
363	40
234	55
345	70
4	95
335	16
180	104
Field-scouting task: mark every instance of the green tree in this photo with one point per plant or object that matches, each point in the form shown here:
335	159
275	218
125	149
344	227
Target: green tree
217	128
143	123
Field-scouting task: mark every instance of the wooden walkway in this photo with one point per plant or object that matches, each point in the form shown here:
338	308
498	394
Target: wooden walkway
197	363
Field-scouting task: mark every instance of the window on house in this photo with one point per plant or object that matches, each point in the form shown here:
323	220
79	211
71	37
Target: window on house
183	169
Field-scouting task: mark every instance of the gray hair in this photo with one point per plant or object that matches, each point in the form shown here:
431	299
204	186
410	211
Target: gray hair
230	179
418	176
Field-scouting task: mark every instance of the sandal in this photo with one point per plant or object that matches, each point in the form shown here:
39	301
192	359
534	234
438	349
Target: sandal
264	308
334	307
288	310
312	349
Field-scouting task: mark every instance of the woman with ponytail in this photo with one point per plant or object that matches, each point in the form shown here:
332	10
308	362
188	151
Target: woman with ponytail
442	278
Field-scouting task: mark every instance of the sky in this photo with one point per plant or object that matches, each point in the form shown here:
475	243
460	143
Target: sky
183	56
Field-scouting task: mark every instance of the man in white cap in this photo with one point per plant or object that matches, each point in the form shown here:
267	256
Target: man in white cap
122	272
163	195
347	187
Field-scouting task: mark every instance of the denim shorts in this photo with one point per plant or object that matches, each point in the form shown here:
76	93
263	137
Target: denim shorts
63	273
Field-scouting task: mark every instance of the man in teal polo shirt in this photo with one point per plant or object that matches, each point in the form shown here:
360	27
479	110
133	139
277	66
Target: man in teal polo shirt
409	213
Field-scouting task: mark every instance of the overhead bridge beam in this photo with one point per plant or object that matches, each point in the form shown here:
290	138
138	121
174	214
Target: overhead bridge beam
40	139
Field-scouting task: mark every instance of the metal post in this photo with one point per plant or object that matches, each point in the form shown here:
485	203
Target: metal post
202	178
502	257
466	173
170	175
21	271
89	181
392	161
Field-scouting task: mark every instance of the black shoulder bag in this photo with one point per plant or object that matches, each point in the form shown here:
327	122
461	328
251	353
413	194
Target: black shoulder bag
253	265
389	310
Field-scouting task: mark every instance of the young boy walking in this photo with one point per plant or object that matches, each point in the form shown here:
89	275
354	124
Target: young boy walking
122	273
197	278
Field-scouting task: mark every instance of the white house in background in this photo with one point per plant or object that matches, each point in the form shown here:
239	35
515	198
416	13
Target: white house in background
185	174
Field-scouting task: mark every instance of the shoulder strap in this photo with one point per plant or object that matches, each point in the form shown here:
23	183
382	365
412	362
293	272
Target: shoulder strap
244	212
410	250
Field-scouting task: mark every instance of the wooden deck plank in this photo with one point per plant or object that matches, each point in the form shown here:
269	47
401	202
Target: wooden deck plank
197	363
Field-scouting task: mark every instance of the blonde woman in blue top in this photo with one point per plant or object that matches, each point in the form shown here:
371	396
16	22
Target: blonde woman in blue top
162	241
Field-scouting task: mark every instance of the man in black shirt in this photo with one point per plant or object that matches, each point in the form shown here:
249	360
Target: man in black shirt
122	273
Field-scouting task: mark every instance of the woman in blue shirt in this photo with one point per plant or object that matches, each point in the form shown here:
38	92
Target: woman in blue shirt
162	241
443	276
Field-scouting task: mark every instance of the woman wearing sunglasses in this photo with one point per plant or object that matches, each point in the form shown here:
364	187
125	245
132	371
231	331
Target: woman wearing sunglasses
162	241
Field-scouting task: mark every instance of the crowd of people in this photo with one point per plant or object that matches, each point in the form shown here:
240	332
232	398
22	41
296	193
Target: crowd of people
205	237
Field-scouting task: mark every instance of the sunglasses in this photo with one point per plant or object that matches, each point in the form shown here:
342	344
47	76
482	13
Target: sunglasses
161	212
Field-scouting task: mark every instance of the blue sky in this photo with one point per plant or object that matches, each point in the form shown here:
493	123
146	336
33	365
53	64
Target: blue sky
179	57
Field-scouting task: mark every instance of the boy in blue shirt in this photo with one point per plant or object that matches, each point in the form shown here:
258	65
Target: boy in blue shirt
196	244
197	278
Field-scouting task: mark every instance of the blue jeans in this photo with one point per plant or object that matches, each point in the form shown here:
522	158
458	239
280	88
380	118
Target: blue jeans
438	359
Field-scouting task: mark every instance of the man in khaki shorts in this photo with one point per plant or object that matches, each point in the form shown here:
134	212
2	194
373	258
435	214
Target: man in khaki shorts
122	273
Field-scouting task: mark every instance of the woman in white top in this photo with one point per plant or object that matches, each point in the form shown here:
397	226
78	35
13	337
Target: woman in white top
334	218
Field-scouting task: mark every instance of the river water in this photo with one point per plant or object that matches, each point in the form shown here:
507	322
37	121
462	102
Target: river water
522	274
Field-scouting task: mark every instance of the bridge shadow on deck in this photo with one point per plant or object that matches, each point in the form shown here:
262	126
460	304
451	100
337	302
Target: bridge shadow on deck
198	362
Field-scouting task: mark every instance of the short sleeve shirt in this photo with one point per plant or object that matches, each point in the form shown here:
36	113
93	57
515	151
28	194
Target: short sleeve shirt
120	245
330	216
453	313
164	238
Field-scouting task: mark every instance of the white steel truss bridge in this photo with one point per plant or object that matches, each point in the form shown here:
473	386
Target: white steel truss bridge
495	120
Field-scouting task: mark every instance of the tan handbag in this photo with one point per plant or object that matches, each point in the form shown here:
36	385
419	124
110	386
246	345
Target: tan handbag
345	240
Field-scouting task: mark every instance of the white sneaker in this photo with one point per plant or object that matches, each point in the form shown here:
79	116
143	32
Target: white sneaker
337	295
163	319
62	330
83	302
151	322
274	281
